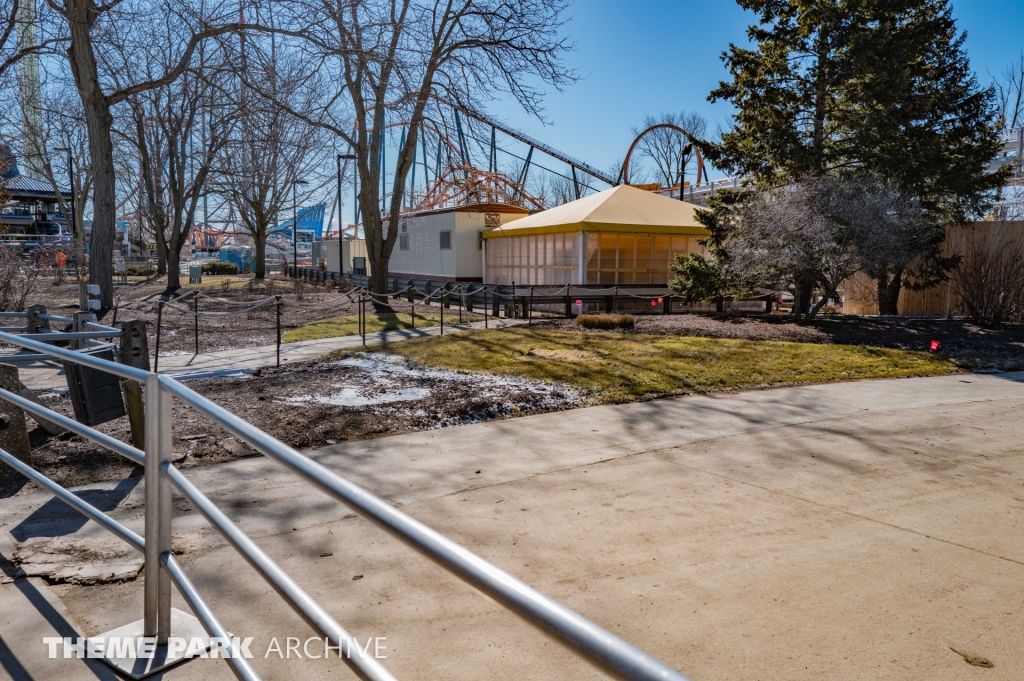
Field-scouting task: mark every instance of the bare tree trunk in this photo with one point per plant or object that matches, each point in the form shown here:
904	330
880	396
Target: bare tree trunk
173	271
802	298
821	303
101	150
889	292
261	254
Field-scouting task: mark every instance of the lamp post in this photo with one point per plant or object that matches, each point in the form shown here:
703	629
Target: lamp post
71	182
684	158
344	157
295	223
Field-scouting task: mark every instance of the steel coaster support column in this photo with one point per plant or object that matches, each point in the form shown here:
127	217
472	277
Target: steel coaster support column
493	165
521	180
157	617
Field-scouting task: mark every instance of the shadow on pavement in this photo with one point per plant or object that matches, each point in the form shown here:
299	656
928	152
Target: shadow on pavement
60	627
56	519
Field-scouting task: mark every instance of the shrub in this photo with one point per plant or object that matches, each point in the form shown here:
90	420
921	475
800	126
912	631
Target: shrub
17	281
140	270
220	268
606	321
990	281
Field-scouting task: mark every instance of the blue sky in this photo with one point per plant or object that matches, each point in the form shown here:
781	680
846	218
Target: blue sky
640	57
643	57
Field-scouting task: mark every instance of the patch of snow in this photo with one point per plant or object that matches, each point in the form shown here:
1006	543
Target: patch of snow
488	385
387	384
351	397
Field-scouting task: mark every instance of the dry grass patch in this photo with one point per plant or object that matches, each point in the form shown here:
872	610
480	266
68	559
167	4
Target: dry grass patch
618	367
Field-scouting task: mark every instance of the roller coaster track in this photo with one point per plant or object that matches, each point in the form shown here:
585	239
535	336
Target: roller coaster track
550	151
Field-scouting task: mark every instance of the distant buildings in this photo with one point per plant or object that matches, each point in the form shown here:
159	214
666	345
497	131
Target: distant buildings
30	216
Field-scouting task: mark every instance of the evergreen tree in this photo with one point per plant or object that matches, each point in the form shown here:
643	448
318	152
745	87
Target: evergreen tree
879	86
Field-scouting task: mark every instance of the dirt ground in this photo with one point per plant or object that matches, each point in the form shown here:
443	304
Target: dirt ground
971	346
303	304
304	405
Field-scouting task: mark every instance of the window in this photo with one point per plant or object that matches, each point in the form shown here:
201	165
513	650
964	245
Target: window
403	242
446	240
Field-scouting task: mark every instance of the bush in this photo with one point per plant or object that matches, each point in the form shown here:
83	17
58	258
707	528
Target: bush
140	270
220	268
606	321
17	281
989	281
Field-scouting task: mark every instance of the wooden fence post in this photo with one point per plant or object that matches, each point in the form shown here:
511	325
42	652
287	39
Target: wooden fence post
134	352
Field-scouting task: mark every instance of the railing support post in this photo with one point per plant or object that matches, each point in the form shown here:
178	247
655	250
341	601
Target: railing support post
159	319
157	617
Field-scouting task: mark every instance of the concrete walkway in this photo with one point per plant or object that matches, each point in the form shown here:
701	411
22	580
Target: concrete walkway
48	378
844	531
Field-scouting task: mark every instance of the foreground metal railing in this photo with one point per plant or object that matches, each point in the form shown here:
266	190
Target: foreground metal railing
615	656
87	332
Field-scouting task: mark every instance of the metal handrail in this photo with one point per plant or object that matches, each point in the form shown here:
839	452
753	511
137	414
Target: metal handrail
597	645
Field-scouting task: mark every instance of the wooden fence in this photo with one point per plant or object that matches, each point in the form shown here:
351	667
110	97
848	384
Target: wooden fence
860	295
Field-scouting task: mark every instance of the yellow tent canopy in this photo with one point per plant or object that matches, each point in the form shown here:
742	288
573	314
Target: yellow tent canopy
619	209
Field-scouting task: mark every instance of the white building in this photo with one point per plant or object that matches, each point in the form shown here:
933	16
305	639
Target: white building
445	244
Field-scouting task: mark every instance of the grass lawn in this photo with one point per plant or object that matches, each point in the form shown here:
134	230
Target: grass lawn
375	323
619	367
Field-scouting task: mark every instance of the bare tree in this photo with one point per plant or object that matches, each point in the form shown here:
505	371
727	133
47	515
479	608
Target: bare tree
179	130
819	233
380	62
664	146
556	189
91	30
1010	93
1010	203
17	35
273	157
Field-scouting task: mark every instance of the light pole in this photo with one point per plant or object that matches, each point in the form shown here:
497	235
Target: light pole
71	182
684	158
343	157
295	223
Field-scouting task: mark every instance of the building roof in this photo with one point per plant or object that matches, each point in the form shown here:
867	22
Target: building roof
19	186
619	209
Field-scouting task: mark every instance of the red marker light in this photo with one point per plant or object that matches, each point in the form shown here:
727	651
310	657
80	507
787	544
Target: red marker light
935	345
654	303
661	300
